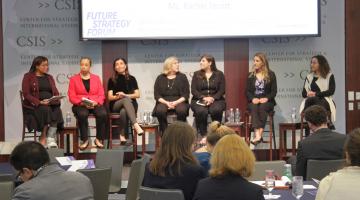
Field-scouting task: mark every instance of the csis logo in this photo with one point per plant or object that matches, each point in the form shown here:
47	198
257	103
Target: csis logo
36	41
60	4
63	78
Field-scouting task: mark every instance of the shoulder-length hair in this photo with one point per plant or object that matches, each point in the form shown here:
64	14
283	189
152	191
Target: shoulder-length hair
115	74
175	150
232	155
213	67
265	70
324	66
36	62
168	64
216	131
352	148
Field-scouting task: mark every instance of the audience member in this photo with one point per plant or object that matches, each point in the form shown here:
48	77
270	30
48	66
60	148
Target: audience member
173	165
344	183
231	162
323	144
215	132
43	180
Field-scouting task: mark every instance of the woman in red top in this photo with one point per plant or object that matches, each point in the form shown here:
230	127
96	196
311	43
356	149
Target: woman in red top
37	87
88	85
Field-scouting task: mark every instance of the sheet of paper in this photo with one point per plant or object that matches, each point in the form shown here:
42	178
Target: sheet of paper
63	161
307	187
278	183
273	196
351	96
78	164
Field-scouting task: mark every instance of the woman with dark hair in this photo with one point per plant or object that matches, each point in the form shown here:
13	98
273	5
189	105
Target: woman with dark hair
345	183
208	90
173	165
38	87
86	93
171	92
260	91
319	86
122	93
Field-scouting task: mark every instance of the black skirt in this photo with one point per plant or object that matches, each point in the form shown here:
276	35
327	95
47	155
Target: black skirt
43	115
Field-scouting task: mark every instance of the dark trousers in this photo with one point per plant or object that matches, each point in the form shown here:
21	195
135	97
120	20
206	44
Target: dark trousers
161	110
82	113
126	110
259	113
316	101
215	110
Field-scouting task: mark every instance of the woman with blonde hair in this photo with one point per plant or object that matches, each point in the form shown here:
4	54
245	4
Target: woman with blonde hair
261	92
173	165
231	162
171	92
215	132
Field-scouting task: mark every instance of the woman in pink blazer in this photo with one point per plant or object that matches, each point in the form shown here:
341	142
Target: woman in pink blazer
83	87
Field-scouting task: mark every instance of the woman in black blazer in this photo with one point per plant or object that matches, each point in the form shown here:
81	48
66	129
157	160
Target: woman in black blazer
208	90
231	162
261	91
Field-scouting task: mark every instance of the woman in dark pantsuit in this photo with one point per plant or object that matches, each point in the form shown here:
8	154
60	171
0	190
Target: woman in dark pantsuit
122	93
261	91
171	92
208	90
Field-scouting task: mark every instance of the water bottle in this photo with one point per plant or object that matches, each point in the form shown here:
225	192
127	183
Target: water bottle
68	119
237	116
231	117
288	172
293	115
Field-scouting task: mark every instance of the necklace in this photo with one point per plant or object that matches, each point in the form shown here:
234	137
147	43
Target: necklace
170	86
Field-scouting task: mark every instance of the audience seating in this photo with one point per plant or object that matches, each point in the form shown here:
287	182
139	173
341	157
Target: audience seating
6	189
249	129
318	169
261	166
112	158
135	179
146	193
100	180
55	152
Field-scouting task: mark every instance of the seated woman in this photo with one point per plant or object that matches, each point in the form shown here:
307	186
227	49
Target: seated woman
345	183
215	133
208	90
37	87
123	91
171	92
319	86
173	165
86	93
231	162
261	91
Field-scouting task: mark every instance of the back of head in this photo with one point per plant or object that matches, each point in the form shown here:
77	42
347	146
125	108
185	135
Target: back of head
216	131
232	155
352	147
175	149
316	115
29	154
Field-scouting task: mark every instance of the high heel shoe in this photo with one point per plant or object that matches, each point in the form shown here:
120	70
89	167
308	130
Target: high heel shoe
98	144
256	142
84	145
138	130
122	140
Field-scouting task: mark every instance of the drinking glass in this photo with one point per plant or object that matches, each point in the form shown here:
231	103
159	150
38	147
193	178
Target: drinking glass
297	187
269	181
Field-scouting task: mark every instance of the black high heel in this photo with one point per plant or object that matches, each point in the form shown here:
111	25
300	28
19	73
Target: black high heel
257	141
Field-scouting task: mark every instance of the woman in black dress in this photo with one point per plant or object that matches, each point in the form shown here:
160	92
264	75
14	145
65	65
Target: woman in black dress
171	92
208	90
260	91
122	93
38	87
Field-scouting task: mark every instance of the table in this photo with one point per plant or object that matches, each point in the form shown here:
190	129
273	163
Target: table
309	194
283	128
69	130
238	128
150	128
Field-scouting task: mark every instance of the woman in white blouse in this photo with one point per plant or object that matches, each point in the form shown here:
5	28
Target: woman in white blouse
345	183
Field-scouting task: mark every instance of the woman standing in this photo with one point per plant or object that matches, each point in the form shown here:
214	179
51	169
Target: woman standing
319	86
208	90
86	93
37	87
261	91
171	92
122	93
173	165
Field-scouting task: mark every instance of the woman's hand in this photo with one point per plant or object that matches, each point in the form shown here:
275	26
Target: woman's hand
45	102
208	100
263	100
255	100
120	95
311	94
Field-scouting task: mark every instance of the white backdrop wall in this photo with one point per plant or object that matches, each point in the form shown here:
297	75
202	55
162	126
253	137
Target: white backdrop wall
50	28
289	58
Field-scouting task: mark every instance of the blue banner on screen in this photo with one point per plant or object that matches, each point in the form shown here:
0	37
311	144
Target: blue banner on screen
166	19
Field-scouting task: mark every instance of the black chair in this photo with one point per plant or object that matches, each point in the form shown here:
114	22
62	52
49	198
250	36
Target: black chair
318	169
100	180
147	193
27	119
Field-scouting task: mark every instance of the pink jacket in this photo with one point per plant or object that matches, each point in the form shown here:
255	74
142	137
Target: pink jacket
77	90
